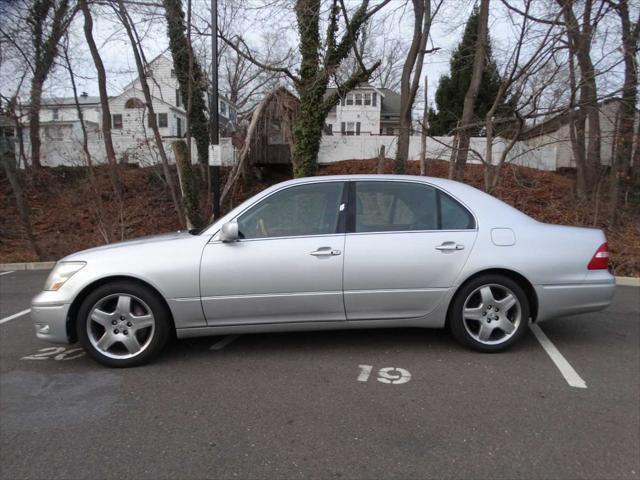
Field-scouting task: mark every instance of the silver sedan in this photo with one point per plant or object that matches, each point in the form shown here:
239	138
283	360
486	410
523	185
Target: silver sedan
337	252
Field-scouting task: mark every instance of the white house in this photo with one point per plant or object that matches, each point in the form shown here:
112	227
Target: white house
61	132
366	110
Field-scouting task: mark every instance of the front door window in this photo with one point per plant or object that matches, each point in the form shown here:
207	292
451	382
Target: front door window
302	210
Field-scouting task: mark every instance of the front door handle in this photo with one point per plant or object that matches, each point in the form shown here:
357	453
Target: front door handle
449	247
325	252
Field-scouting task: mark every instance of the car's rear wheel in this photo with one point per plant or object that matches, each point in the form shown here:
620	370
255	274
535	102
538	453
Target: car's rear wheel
489	313
123	324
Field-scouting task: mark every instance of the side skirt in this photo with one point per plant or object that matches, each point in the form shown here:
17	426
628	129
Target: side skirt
430	322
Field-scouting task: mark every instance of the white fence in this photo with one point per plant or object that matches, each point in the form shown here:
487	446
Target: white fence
334	148
342	147
69	152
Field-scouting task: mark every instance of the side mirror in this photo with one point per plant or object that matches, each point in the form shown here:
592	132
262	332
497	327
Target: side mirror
229	232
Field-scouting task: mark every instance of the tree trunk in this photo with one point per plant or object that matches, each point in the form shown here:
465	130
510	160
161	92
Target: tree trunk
409	86
621	161
307	132
589	163
190	77
104	99
188	184
423	130
34	118
462	152
43	16
381	159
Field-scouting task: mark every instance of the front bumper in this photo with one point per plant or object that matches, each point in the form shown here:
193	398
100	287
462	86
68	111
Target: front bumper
562	300
50	319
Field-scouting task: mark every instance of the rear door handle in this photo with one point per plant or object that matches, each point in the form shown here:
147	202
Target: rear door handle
325	252
449	247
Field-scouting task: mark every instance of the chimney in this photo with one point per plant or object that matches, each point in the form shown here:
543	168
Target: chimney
84	94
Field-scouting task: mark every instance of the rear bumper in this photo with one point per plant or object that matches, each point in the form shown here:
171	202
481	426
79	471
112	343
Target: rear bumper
50	320
562	300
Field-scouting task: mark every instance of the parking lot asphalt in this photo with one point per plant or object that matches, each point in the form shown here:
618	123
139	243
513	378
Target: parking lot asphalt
395	403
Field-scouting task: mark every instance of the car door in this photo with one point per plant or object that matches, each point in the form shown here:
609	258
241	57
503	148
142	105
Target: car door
406	243
287	264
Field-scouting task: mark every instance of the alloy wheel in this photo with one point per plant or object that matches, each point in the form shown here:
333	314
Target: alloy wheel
120	326
491	314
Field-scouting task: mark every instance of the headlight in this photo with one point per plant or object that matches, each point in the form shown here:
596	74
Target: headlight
62	272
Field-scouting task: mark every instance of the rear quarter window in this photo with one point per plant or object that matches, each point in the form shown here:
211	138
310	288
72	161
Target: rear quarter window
453	215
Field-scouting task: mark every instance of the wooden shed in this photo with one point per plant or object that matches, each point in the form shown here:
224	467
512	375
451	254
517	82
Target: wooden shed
270	133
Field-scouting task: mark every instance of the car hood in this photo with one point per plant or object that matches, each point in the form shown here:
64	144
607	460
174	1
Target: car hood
148	240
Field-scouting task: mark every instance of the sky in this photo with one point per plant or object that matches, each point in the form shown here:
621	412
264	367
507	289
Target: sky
255	19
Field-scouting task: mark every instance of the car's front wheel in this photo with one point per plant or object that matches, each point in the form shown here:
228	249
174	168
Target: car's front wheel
123	324
489	313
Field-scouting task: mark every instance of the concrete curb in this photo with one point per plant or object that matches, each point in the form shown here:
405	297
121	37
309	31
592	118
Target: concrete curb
26	266
628	281
623	281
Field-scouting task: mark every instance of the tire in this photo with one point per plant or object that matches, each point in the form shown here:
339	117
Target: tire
489	313
123	324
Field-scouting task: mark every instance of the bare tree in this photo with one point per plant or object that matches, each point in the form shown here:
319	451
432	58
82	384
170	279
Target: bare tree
96	197
586	146
463	141
621	161
412	73
525	77
319	61
243	81
48	21
104	98
138	54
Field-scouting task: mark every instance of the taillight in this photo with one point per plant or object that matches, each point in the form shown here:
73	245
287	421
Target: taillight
600	259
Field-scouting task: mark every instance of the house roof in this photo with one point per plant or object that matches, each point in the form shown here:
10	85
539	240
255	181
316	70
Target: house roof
132	91
68	101
553	124
390	103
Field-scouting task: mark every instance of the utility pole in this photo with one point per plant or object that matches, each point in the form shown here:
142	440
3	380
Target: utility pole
213	108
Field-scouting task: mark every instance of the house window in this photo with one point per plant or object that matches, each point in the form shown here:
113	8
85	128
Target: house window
223	108
328	129
178	98
162	120
54	132
56	114
343	130
179	127
367	99
374	96
116	120
357	128
389	130
358	98
349	99
173	73
350	128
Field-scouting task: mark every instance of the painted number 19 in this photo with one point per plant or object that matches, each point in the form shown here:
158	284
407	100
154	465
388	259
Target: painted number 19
389	375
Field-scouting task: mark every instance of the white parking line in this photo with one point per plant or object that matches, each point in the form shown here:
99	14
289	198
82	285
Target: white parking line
16	315
6	273
567	371
224	342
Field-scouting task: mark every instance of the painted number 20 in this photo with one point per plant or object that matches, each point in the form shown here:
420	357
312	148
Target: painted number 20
390	375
